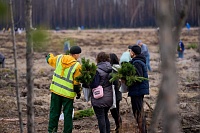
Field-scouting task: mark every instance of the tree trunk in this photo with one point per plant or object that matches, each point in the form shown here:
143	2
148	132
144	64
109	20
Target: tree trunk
198	7
140	3
16	74
29	67
167	98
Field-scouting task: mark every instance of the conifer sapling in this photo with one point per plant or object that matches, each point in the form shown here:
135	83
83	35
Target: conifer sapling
127	72
88	71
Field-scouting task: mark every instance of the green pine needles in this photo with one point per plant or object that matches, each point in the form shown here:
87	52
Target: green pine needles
127	72
88	72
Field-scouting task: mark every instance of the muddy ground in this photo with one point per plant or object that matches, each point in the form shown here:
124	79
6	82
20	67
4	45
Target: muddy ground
92	42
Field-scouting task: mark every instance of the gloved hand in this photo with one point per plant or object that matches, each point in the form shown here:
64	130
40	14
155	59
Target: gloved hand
78	95
47	57
77	89
85	85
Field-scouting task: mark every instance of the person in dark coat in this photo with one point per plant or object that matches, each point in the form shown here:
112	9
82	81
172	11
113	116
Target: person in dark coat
2	60
114	61
180	49
138	89
102	105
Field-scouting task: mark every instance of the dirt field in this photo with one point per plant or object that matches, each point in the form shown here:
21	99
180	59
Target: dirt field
92	42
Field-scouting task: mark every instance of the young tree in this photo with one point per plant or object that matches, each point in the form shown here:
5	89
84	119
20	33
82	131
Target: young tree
29	66
16	74
170	29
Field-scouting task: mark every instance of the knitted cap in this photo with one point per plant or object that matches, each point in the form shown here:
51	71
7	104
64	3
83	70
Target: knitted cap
75	50
136	49
130	46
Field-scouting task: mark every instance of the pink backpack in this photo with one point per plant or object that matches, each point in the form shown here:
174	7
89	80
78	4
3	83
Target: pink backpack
97	92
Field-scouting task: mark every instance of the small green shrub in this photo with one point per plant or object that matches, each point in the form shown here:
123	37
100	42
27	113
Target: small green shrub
83	113
39	38
192	46
3	9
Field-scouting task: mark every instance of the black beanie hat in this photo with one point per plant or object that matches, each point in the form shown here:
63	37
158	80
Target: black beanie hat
136	49
75	50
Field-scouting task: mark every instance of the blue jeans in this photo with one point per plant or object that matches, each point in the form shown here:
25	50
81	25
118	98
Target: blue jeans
180	54
102	117
148	63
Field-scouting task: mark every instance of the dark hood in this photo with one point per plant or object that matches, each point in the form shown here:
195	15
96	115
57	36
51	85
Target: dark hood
139	57
105	66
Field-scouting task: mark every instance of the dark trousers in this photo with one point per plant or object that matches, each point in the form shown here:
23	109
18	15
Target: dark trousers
115	114
55	109
138	112
2	62
102	117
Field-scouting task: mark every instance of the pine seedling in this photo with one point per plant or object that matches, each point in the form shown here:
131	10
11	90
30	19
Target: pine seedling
127	72
88	71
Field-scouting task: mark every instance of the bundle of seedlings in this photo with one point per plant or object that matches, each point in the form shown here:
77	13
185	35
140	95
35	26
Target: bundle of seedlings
127	72
88	71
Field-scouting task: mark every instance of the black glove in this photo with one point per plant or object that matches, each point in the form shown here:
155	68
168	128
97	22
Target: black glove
47	58
77	89
78	95
85	85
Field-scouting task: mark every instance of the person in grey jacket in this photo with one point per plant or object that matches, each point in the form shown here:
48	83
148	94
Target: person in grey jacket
145	52
102	105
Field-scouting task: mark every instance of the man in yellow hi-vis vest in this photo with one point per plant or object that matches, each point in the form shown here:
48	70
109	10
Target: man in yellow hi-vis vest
64	88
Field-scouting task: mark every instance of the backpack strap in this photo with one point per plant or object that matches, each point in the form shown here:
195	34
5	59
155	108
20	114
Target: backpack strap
104	71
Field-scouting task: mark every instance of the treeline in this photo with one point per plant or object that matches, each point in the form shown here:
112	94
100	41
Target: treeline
94	13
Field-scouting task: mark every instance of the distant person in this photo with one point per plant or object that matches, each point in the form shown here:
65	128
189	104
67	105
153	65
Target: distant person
64	88
4	30
180	49
114	61
2	60
138	89
146	53
57	28
188	27
66	47
82	27
79	29
102	105
125	57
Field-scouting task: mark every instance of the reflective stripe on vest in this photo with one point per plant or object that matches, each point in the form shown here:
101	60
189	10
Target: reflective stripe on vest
63	85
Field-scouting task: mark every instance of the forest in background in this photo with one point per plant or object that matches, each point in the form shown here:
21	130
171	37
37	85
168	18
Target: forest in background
94	13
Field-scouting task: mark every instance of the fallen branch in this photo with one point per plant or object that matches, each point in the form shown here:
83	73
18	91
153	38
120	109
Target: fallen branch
9	119
151	109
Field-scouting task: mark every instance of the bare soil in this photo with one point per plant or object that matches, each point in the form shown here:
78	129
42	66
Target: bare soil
92	42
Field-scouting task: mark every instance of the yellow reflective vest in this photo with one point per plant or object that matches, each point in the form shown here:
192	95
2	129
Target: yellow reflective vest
63	86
